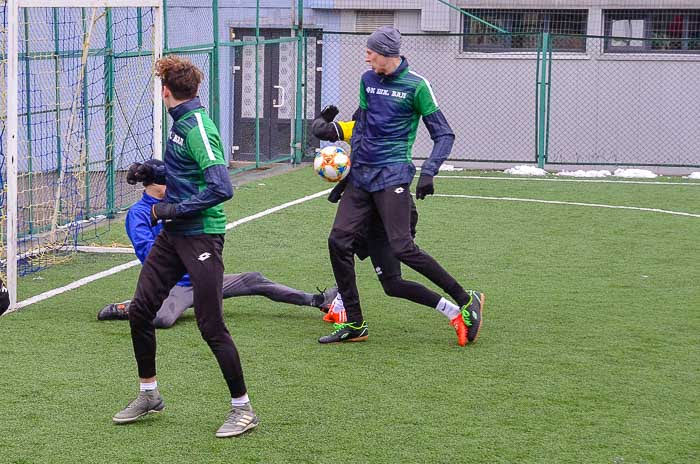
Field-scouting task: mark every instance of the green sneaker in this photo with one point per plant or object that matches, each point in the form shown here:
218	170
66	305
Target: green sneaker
239	420
347	332
148	401
471	314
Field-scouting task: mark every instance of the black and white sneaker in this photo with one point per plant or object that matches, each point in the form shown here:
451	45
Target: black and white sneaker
347	332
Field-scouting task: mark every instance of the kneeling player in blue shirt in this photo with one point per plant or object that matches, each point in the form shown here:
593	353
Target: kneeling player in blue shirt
142	235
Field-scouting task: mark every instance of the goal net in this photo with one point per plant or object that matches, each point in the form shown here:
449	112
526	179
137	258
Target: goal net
78	105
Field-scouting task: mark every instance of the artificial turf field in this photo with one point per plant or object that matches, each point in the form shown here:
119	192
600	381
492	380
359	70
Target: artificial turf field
588	352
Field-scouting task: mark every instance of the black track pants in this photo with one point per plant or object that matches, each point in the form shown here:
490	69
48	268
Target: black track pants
171	257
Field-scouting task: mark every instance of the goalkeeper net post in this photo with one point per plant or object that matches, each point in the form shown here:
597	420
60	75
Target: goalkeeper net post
47	186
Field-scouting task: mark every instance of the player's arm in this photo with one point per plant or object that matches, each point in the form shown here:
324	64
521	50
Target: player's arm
440	132
324	128
443	140
218	189
204	144
140	232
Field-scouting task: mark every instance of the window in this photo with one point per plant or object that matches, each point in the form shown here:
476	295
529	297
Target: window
524	27
657	31
370	21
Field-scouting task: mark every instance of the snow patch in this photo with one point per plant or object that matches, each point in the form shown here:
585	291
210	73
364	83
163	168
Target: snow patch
694	175
630	173
449	167
581	173
525	170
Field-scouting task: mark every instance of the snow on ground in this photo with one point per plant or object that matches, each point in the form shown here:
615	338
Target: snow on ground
449	167
694	175
581	173
636	173
524	170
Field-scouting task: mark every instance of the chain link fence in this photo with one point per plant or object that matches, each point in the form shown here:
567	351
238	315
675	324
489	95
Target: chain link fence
559	98
599	107
622	105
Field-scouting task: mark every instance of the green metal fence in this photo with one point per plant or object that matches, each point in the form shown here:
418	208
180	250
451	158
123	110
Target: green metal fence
535	97
582	107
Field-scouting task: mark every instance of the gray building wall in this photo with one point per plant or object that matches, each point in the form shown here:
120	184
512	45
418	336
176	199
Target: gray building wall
605	107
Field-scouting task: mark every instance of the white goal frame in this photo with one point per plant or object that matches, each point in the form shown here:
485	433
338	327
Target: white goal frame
13	7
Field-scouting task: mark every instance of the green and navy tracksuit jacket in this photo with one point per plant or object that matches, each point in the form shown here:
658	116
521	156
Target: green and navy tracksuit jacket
390	109
197	179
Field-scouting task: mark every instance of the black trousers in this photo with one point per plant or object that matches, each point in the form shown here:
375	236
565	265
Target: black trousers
358	211
388	267
171	257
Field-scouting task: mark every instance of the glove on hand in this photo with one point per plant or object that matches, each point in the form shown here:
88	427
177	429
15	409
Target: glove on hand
131	174
162	211
146	173
425	186
329	113
337	192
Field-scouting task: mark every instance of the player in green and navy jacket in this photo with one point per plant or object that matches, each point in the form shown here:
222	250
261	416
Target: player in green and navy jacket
393	99
191	242
375	243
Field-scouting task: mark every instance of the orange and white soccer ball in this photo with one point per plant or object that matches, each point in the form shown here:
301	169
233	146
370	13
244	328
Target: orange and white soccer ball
332	163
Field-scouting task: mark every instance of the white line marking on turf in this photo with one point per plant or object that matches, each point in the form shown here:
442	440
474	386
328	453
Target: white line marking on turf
275	209
76	284
130	264
596	181
570	203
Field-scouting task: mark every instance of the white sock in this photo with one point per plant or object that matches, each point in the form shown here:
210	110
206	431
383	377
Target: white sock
447	308
337	305
240	401
148	386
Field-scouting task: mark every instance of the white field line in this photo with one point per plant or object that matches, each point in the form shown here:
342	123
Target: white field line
570	203
74	285
136	262
276	208
593	181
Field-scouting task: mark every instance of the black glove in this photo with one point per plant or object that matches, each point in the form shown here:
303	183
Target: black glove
425	186
329	113
162	211
145	173
4	298
337	192
131	174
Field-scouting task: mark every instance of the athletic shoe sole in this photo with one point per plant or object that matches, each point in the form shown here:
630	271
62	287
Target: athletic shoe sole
358	339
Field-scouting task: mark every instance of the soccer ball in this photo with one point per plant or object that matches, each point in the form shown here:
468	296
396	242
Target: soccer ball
332	163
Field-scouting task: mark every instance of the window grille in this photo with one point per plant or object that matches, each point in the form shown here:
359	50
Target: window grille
656	31
524	27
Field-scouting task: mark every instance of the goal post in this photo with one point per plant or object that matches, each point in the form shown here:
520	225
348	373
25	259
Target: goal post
78	104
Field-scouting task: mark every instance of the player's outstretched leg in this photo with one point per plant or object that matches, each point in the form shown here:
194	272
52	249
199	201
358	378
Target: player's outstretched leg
147	402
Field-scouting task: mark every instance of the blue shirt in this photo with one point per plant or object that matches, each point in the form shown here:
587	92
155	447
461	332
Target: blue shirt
142	234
